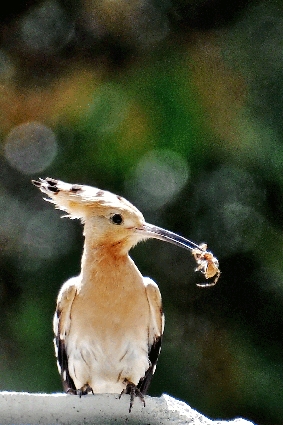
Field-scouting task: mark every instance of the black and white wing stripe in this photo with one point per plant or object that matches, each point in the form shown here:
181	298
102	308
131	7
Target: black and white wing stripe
155	331
61	327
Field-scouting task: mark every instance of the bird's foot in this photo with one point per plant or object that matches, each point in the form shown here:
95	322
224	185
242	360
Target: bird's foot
133	390
84	390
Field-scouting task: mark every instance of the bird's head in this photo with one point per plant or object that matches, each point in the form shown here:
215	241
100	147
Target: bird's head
109	219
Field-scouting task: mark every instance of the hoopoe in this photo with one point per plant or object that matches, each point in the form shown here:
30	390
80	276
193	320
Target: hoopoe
108	323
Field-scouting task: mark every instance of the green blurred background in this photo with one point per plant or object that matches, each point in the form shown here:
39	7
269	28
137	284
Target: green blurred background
176	105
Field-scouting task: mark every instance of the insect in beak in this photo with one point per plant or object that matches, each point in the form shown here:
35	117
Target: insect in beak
206	262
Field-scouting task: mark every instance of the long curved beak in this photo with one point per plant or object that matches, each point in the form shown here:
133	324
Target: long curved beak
151	231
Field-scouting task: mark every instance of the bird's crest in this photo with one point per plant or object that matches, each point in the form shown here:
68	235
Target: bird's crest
80	200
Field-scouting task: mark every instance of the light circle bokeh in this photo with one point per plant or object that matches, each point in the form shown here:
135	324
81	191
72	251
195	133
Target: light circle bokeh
30	147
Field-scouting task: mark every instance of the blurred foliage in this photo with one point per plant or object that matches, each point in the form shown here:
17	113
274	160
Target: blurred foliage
176	105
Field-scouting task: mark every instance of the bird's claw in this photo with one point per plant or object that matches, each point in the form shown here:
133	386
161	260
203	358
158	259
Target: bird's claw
133	390
86	389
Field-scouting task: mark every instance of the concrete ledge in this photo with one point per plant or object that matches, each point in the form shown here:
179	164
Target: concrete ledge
102	409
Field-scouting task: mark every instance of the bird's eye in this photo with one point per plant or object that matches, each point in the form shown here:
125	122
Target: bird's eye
117	219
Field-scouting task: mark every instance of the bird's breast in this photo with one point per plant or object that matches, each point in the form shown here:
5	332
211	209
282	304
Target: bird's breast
112	299
108	337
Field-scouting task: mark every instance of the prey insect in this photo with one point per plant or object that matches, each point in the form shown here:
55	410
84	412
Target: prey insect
207	264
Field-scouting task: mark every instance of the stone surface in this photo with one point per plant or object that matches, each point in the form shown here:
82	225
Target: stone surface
102	409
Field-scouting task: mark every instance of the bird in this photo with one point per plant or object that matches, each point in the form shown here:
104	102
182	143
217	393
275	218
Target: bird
109	321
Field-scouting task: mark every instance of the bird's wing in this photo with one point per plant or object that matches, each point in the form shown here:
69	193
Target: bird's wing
61	327
155	331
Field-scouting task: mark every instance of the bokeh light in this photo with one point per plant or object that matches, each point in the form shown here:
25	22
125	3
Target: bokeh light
145	23
30	147
234	200
46	236
13	218
159	176
46	29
